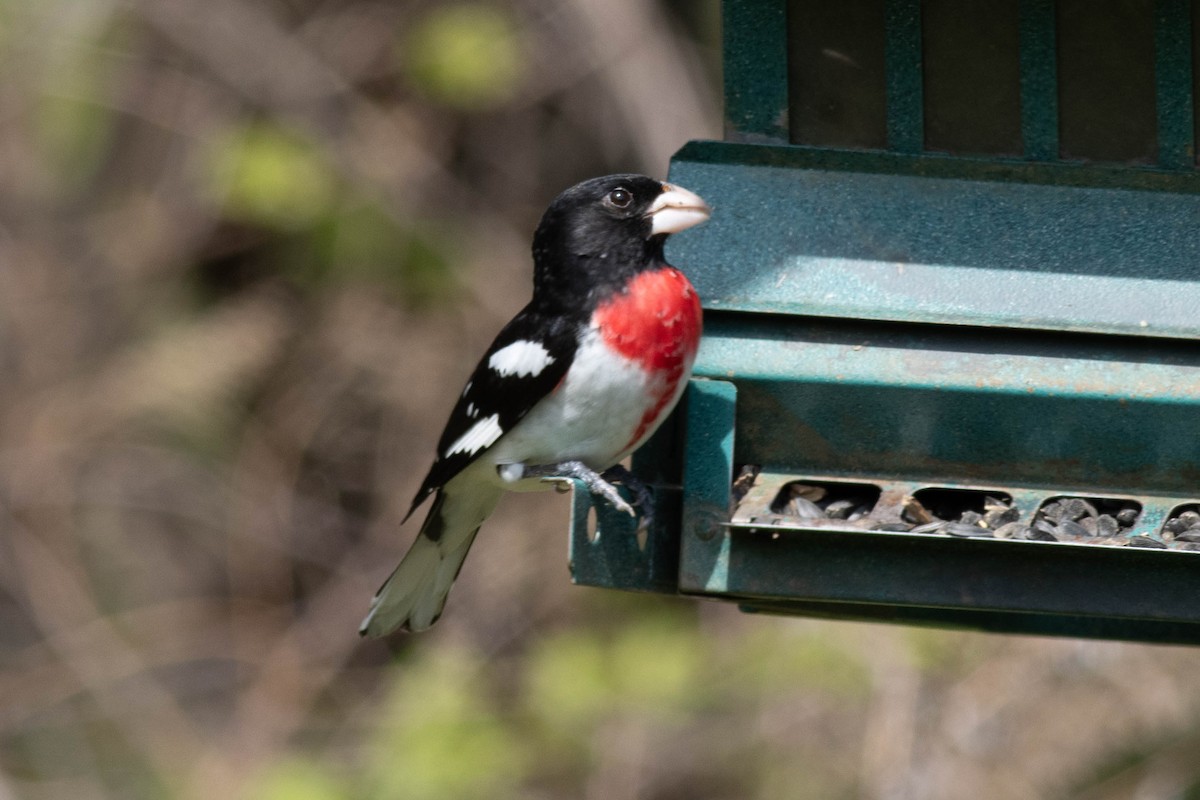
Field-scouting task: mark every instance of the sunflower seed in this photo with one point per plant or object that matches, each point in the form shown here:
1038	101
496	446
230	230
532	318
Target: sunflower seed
965	530
1146	541
808	492
1127	516
804	509
1011	530
970	517
1041	531
1175	526
1075	508
839	509
860	512
1182	528
914	512
1107	525
1069	527
744	481
999	517
993	504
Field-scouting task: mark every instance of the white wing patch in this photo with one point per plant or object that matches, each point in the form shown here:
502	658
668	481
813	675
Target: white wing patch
480	435
521	358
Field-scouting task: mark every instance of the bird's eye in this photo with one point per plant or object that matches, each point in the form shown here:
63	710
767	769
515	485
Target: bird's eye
620	198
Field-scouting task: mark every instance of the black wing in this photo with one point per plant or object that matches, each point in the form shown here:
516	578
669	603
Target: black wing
535	352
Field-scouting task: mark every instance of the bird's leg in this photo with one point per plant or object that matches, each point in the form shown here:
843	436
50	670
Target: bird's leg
643	498
568	470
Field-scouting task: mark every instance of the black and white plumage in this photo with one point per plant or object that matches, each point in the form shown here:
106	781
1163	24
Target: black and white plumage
572	385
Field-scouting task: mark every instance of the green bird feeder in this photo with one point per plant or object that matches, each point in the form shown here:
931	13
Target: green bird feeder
950	372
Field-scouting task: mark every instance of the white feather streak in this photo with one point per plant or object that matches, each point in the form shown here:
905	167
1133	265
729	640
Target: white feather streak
482	434
521	358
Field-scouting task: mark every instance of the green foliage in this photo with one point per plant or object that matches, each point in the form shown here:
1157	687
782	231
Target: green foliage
74	123
441	736
777	658
568	685
465	55
298	780
364	243
652	667
270	176
658	666
933	651
328	234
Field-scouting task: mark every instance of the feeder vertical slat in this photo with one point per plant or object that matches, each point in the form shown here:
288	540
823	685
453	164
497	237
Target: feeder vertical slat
754	34
1039	81
905	87
710	408
1173	83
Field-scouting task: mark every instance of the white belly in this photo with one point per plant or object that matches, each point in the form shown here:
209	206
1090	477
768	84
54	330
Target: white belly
592	417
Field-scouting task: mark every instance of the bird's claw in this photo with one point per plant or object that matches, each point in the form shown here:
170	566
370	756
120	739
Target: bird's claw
609	492
643	498
597	484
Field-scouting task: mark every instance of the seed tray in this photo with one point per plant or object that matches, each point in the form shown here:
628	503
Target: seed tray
773	562
940	554
775	503
900	550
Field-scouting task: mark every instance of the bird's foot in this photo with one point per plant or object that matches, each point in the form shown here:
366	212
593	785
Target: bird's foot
643	498
576	470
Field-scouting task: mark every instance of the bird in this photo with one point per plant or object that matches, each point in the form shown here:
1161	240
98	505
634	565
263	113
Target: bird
572	385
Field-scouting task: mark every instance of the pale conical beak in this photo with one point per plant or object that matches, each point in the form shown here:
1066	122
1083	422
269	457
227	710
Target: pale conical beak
675	210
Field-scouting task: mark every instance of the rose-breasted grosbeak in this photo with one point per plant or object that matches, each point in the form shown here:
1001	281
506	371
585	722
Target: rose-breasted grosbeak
571	386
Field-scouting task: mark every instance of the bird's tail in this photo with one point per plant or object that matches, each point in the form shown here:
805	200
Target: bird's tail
413	596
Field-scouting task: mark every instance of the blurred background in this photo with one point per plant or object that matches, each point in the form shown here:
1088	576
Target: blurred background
249	251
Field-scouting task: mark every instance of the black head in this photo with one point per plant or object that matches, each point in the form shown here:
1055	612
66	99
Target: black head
599	233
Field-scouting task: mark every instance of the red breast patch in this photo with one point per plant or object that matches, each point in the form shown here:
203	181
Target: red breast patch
656	323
